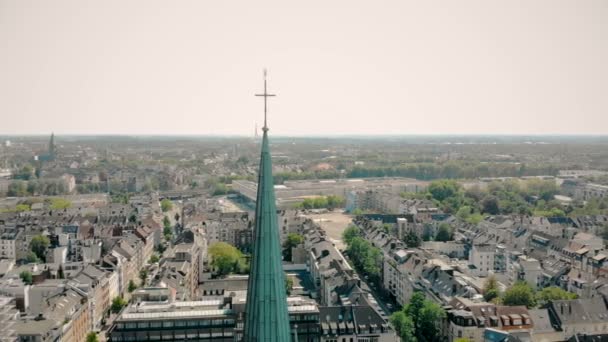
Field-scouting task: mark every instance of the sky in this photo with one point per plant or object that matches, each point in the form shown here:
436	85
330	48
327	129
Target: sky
337	67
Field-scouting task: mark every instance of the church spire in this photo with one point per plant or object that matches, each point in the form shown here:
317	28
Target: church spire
266	316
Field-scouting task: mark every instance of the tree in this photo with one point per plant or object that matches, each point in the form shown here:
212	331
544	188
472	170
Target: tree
419	320
26	173
60	203
357	212
444	233
167	230
18	189
443	189
350	233
489	205
117	304
427	232
166	205
551	293
490	289
60	273
153	259
22	207
519	294
288	284
414	307
32	258
293	240
429	320
404	326
464	212
224	257
160	248
366	258
26	277
412	240
143	275
335	201
132	286
38	245
92	337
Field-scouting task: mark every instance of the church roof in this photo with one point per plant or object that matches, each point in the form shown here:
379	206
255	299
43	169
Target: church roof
266	315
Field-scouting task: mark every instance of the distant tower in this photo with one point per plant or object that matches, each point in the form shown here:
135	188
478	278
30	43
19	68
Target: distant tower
255	131
52	147
266	315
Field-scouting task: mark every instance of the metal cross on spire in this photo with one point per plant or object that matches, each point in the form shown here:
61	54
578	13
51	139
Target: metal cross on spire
266	96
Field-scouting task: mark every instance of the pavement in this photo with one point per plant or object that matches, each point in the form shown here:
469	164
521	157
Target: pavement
333	223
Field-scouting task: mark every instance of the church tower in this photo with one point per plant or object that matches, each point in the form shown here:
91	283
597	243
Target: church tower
266	316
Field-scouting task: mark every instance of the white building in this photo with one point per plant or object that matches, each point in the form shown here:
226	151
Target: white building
481	258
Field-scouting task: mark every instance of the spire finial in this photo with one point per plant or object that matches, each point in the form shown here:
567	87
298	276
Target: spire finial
265	95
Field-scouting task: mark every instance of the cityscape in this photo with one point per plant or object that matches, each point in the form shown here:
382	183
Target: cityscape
426	224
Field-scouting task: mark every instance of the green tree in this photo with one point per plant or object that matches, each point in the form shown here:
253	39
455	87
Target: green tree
132	287
25	173
18	189
366	258
404	326
519	294
464	212
39	245
335	201
288	284
475	218
414	307
143	275
412	240
357	212
26	277
419	320
551	293
32	258
22	207
92	337
224	257
154	259
429	321
160	248
443	189
490	205
60	203
350	233
444	233
166	205
490	289
293	240
117	304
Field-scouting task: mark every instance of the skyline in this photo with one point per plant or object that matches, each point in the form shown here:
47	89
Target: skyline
347	69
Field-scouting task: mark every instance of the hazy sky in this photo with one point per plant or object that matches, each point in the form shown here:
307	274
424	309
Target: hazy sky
338	67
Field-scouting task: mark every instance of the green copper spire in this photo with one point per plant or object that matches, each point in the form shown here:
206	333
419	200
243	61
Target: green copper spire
266	316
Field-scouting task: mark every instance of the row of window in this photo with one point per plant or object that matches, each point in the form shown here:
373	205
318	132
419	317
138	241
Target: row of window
172	324
171	337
